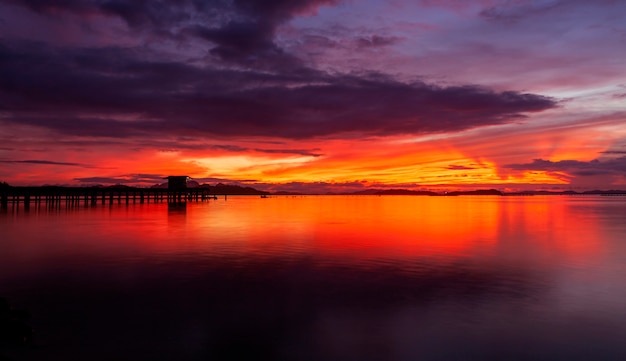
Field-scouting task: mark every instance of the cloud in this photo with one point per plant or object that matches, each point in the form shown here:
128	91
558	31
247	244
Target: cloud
376	41
575	167
47	162
241	31
257	89
194	144
54	6
155	14
246	34
124	179
305	152
114	92
515	11
459	167
455	5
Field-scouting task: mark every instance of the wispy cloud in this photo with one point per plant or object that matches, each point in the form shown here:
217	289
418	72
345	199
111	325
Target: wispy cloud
579	168
459	167
124	179
48	162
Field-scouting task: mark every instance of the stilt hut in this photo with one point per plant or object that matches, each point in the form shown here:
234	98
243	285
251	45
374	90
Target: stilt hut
177	182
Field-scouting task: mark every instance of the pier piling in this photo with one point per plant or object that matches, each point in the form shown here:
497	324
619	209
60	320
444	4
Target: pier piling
53	197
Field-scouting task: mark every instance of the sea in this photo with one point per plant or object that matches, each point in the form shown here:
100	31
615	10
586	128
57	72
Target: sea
319	278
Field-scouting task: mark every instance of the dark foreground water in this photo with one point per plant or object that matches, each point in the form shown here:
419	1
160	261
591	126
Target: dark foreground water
321	278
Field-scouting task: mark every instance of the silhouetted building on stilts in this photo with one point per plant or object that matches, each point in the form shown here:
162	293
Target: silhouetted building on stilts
177	182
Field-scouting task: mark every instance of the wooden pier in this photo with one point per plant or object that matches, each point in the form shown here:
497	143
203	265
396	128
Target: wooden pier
75	196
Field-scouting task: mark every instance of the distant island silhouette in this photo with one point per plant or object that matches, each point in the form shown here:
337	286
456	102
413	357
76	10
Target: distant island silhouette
478	192
234	189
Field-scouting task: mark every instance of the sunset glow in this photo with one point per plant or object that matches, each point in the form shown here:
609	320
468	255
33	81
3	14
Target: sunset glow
315	95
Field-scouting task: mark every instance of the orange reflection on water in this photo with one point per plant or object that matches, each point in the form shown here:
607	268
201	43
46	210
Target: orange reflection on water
348	227
552	226
402	227
339	270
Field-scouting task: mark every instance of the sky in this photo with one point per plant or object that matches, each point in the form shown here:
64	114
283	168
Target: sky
315	95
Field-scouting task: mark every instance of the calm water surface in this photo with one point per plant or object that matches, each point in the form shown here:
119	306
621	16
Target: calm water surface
321	278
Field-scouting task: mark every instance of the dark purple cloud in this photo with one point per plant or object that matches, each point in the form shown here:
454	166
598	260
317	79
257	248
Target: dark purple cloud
240	31
47	162
136	13
248	34
113	92
154	13
575	167
376	41
55	6
515	11
255	89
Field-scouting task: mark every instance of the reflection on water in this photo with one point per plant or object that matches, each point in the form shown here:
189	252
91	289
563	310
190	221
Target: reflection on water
321	278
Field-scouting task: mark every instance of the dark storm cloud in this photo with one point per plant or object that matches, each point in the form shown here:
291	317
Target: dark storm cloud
114	92
376	41
136	13
245	44
141	13
241	31
51	6
121	92
246	34
594	167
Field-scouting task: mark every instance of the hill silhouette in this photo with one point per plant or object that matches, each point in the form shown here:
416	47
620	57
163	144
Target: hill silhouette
232	189
480	192
395	192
